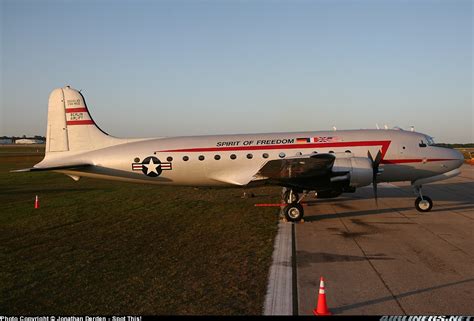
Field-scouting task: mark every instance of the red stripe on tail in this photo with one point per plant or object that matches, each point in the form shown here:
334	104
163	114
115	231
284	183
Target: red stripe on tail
77	110
80	122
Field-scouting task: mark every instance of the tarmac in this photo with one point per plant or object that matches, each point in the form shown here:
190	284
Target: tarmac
388	259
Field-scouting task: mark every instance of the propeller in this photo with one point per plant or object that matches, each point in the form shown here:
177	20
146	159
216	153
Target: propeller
375	170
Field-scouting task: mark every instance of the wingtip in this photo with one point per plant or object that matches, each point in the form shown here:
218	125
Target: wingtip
21	170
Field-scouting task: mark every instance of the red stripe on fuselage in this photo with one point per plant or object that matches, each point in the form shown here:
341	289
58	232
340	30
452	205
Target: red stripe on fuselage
80	122
384	143
76	110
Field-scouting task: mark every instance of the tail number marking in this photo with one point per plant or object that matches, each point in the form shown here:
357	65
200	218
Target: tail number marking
76	116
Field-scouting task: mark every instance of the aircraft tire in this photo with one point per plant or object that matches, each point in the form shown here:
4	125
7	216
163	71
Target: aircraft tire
423	205
293	212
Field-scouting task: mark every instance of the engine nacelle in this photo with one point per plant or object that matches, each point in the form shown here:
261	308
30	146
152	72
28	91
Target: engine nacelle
359	171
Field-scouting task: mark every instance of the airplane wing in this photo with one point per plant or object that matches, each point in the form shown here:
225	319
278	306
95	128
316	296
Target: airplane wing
282	171
301	167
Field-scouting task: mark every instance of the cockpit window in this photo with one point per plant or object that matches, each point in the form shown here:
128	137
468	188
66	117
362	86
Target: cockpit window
430	140
426	141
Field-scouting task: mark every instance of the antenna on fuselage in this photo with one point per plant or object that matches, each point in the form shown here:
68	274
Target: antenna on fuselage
385	126
334	128
377	126
412	128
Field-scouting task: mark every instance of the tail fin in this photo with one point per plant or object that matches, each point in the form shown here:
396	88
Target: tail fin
70	125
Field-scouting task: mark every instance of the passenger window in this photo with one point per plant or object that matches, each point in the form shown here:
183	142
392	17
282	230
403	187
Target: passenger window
201	157
282	155
331	152
249	156
217	157
169	159
233	156
348	151
185	158
265	155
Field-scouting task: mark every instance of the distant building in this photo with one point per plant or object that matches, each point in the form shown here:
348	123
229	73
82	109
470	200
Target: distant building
6	141
28	141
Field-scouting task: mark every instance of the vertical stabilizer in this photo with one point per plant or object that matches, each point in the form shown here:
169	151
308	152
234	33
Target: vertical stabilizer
70	125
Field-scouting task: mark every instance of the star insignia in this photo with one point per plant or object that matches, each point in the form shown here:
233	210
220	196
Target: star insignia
151	166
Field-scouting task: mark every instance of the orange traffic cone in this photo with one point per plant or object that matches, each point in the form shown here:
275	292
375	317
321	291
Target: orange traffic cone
322	308
37	203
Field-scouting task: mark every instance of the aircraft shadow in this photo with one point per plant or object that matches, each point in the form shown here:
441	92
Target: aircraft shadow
340	309
318	217
306	258
437	192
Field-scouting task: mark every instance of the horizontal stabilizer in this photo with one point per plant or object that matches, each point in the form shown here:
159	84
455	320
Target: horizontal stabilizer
51	168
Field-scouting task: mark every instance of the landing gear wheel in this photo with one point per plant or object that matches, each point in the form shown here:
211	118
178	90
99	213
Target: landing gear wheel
423	204
290	197
293	212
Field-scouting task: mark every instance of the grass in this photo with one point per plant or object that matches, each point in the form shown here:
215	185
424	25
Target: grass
99	247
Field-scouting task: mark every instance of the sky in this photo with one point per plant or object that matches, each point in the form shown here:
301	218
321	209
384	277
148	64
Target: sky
194	67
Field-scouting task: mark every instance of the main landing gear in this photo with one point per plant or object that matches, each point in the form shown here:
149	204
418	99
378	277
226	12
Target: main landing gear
289	195
293	210
422	203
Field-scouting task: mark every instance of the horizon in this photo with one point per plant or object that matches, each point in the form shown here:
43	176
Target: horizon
43	137
184	68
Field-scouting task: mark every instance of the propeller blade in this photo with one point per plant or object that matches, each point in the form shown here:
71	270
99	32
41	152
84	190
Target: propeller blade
378	159
369	155
375	169
374	184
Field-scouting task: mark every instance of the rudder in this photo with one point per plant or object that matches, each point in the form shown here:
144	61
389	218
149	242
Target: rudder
70	125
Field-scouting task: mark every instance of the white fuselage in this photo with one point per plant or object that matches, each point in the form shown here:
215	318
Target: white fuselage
227	160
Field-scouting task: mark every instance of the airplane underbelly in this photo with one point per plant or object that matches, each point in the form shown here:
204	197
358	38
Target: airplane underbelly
124	176
409	171
397	173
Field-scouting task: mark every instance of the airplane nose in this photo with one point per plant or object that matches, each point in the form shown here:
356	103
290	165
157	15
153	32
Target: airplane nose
459	158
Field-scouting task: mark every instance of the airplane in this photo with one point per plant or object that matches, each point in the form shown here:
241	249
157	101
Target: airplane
328	163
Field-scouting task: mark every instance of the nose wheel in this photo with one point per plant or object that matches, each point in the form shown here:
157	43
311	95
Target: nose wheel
422	203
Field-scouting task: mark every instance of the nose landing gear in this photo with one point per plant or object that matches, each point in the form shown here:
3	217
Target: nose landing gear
422	203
